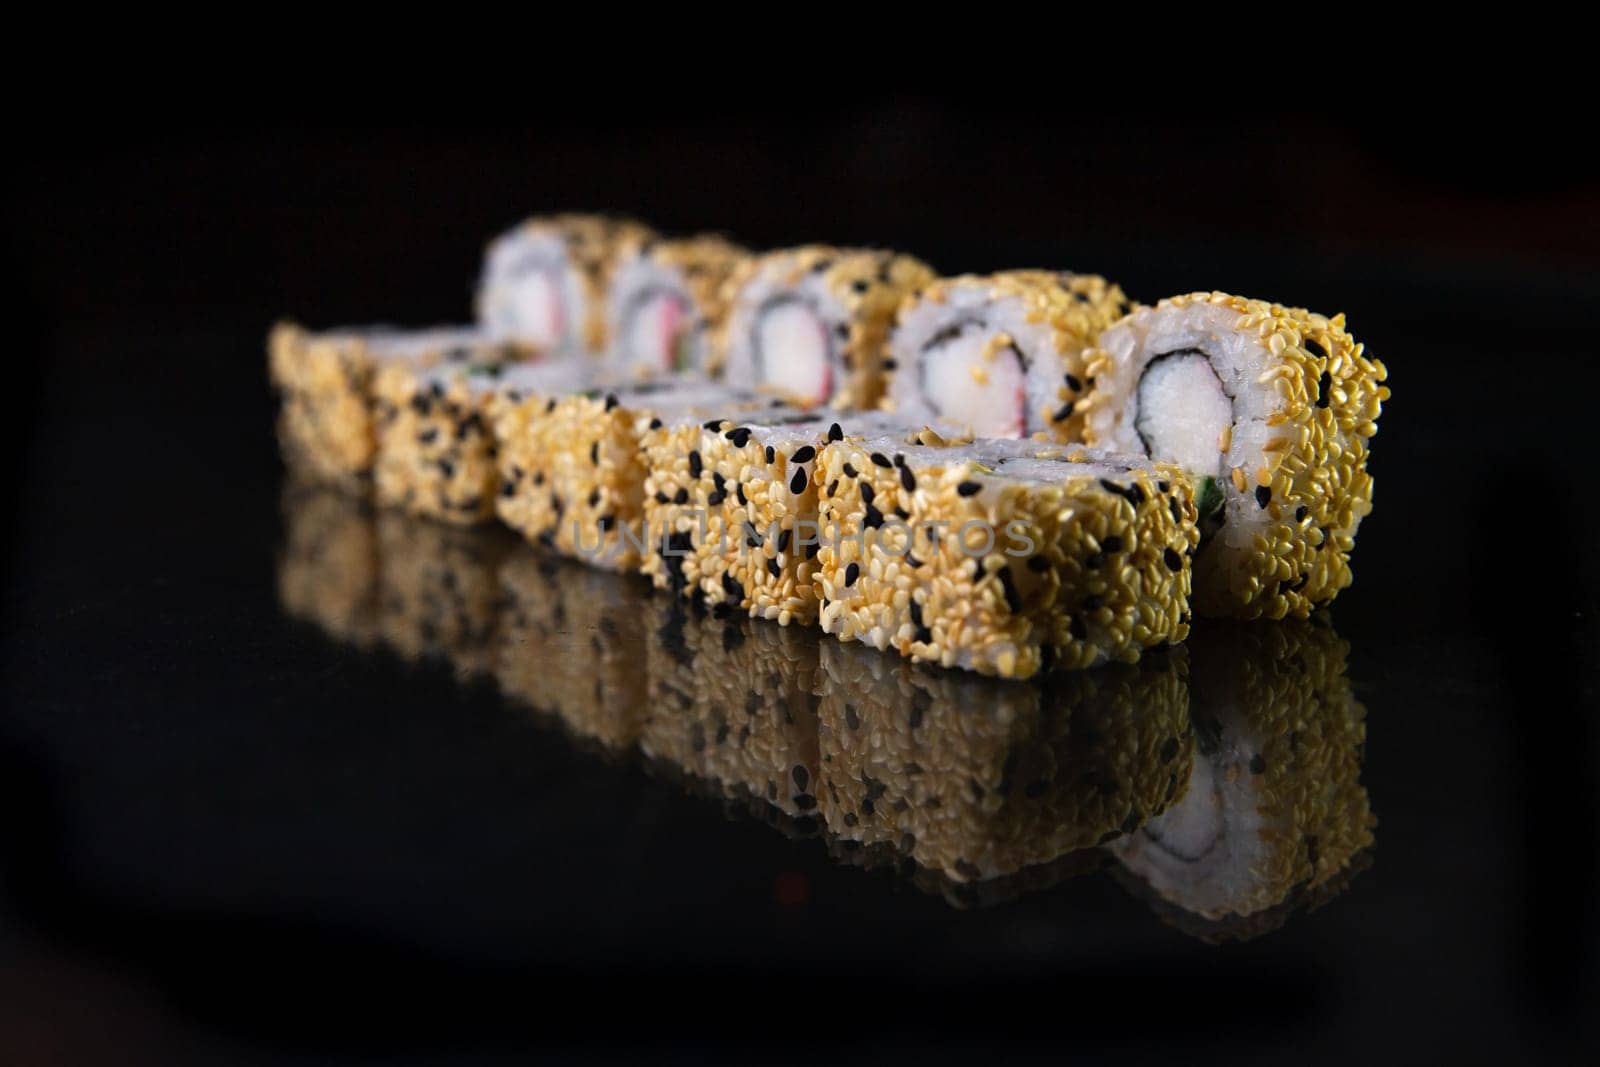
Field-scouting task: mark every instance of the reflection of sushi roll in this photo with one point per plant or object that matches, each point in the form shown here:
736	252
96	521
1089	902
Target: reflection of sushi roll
667	301
733	701
328	567
1003	557
738	499
436	446
810	323
1270	409
1275	805
1000	354
544	282
570	641
981	779
574	468
439	589
325	381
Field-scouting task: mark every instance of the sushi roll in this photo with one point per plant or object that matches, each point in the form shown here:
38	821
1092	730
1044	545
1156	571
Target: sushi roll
439	590
545	281
326	428
1003	557
436	446
810	324
732	506
980	780
328	564
569	644
1271	410
572	464
668	300
1275	807
733	705
1001	354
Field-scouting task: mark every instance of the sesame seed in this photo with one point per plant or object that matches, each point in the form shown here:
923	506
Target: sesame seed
1301	512
1173	561
804	454
695	466
849	471
1073	384
851	573
968	488
868	494
1263	495
612	401
773	568
739	435
835	432
655	424
908	480
1315	349
1063	412
594	453
681	496
880	459
797	484
872	519
771	455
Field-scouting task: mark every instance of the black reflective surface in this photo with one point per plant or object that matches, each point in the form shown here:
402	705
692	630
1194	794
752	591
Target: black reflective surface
252	810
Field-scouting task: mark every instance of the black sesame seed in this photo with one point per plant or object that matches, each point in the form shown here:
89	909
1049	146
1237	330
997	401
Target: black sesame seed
833	487
880	459
549	406
612	401
739	435
715	497
1324	389
797	484
849	471
873	518
731	586
924	636
908	480
1315	349
783	540
714	424
738	491
803	454
695	466
1173	561
861	285
428	436
681	496
868	494
773	568
1111	544
772	456
1163	487
1073	384
655	424
916	614
594	453
1263	495
1063	412
836	432
594	497
447	468
851	573
508	489
1301	512
662	498
890	364
968	488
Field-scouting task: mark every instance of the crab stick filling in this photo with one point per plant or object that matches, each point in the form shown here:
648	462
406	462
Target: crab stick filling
656	331
792	350
977	378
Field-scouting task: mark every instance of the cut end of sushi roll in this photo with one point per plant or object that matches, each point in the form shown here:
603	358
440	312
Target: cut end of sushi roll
1270	410
810	324
667	301
1000	354
544	282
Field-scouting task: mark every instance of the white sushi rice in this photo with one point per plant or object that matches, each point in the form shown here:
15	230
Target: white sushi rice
1202	394
531	292
653	324
976	360
784	334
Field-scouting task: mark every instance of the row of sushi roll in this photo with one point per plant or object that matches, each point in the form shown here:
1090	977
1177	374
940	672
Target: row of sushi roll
1220	780
1004	474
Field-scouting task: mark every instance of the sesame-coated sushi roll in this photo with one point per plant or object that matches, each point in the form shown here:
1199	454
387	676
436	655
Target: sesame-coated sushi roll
668	300
438	590
981	779
324	381
1001	354
545	281
1275	804
436	448
573	469
732	505
733	703
1003	557
1270	409
811	324
328	565
570	642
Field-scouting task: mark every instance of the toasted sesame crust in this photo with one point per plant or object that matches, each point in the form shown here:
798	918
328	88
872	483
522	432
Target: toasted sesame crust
436	454
1311	478
438	590
328	565
1111	577
868	283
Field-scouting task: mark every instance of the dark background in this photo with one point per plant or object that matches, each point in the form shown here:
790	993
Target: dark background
222	832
